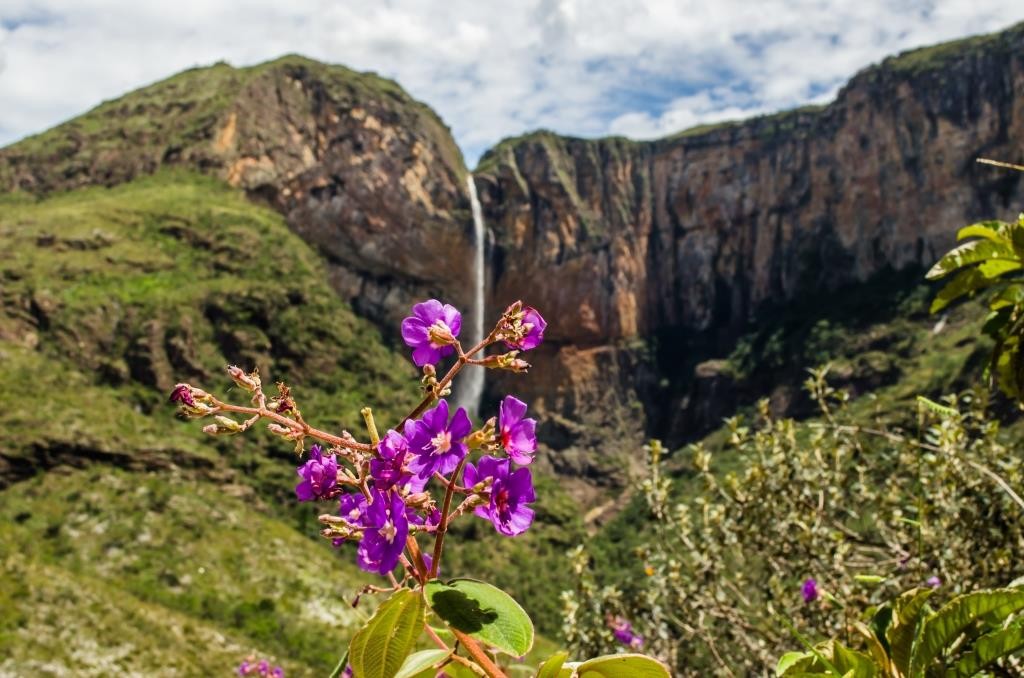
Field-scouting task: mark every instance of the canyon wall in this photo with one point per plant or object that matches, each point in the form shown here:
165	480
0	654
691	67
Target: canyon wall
687	238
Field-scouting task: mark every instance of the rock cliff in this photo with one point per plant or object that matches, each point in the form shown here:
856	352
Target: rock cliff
361	170
686	240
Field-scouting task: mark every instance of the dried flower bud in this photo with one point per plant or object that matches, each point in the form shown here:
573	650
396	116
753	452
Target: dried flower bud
286	432
250	382
506	361
483	438
419	500
223	426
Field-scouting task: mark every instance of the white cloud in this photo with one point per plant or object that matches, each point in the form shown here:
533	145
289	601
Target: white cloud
617	66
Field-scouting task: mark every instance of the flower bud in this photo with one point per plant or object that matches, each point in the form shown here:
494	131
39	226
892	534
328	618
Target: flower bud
440	334
250	382
223	426
286	432
506	361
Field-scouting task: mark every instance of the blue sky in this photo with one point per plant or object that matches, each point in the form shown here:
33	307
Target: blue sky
642	69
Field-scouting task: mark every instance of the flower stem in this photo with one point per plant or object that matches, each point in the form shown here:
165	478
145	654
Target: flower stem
464	359
442	526
305	428
478	654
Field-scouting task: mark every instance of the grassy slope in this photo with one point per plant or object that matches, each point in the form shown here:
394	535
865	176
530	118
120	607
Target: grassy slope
883	348
111	295
108	297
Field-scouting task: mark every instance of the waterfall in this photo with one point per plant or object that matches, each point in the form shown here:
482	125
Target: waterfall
471	390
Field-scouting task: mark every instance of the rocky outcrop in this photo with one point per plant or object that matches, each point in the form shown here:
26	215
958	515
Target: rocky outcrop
368	175
685	239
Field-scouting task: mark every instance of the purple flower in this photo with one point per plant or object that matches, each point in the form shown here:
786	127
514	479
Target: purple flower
263	668
319	475
389	469
278	672
623	632
518	435
934	582
182	393
431	331
245	668
809	591
510	492
386	528
435	443
530	331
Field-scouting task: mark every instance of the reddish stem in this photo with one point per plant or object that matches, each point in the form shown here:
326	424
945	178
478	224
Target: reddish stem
306	429
442	525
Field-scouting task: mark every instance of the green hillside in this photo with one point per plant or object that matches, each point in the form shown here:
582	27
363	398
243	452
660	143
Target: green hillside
111	507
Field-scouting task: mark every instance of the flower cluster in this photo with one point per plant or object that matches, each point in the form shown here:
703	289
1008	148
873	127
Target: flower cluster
390	502
809	590
250	667
623	632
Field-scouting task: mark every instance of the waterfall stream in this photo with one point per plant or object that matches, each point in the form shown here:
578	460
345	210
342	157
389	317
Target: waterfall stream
470	391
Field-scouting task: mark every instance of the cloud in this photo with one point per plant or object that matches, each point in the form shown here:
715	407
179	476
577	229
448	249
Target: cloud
491	70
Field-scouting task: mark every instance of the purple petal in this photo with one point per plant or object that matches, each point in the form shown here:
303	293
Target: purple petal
461	425
519	521
428	311
414	332
520	485
425	354
304	491
511	411
469	476
436	418
452	318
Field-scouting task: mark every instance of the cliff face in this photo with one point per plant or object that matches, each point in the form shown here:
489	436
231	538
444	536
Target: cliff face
369	176
647	257
687	238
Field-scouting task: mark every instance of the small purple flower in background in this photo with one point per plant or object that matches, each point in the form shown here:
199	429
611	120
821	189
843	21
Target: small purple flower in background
435	443
533	325
182	393
809	590
623	632
245	668
510	492
278	672
934	582
386	528
263	668
431	330
319	475
518	435
389	469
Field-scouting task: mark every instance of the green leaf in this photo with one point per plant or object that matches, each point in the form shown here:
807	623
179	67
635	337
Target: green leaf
484	612
936	408
379	648
963	283
995	231
420	664
973	252
621	666
553	665
903	629
871	579
943	627
1013	295
853	663
792	661
988	649
993	268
